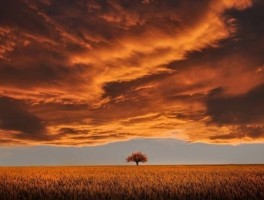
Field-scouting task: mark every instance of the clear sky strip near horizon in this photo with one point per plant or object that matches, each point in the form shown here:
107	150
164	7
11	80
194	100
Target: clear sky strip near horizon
159	152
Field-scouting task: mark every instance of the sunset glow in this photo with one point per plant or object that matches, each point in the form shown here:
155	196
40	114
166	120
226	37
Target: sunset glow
76	73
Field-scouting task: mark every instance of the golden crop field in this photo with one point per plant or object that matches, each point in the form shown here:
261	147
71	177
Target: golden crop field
132	182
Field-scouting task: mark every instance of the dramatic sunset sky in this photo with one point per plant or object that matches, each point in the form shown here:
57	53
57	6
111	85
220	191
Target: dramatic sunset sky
89	81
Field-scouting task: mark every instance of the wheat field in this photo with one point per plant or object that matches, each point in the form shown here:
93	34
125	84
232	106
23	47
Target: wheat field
132	182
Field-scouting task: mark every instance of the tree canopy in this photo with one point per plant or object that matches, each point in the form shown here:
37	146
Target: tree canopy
137	157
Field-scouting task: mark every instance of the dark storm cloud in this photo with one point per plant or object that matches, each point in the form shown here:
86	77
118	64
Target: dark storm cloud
18	15
15	116
33	74
110	19
247	42
241	109
243	113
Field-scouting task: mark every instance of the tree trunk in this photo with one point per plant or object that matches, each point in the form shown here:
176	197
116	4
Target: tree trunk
137	163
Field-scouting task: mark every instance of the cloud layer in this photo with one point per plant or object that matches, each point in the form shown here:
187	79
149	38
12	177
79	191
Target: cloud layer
93	72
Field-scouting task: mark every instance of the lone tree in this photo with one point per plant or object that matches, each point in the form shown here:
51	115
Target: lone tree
137	157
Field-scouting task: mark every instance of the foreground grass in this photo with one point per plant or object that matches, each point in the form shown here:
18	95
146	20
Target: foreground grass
131	182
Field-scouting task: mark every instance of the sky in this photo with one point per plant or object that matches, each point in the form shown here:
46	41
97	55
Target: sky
159	152
97	77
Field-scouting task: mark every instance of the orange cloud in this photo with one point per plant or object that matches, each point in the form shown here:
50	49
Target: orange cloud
93	72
